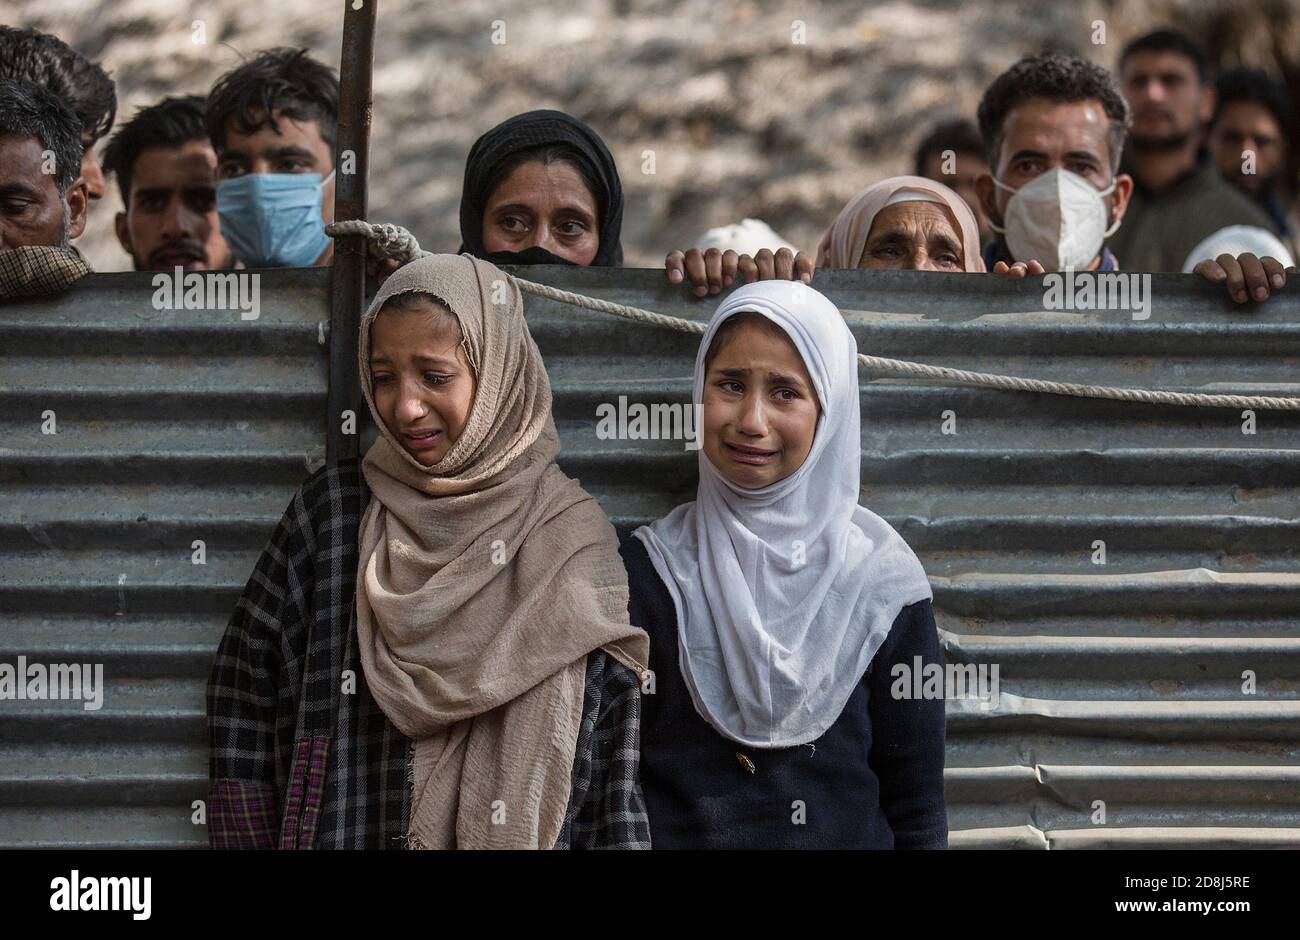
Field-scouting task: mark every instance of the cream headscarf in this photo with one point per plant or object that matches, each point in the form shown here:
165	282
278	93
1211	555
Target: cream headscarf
845	241
784	593
484	581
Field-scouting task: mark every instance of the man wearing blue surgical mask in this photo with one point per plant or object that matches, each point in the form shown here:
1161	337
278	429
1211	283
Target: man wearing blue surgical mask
1054	127
273	123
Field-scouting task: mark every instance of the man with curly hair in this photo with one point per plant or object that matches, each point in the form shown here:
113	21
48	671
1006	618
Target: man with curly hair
1053	128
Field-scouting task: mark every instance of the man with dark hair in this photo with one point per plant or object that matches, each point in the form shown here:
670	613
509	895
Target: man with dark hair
80	84
1053	128
953	154
42	193
1247	141
273	123
1179	198
166	168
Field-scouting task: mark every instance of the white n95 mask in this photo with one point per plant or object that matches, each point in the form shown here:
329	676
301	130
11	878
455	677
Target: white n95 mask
1058	219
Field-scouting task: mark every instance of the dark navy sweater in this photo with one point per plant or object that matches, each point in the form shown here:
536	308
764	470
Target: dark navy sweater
874	780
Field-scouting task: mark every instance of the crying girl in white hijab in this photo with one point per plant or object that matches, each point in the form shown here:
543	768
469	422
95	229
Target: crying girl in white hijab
778	609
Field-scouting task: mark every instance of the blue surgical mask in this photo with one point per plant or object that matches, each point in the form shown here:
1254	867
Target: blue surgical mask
273	220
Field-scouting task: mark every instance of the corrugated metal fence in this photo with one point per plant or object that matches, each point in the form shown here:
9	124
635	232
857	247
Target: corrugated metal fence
1122	688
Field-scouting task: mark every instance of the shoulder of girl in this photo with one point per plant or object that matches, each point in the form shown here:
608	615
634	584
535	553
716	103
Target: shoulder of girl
641	571
331	485
629	546
910	617
914	610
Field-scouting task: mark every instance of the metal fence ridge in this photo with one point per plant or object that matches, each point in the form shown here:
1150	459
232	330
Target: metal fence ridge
1150	700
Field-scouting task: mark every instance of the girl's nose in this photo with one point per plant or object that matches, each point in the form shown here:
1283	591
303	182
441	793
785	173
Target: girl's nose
752	419
410	405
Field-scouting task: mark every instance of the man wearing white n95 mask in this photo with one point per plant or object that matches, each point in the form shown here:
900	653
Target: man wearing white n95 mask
1053	127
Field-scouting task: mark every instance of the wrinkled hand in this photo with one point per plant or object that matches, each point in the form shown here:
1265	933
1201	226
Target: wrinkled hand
1018	270
1245	276
711	270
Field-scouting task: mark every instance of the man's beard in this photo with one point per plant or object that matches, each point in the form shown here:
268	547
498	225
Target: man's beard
1159	143
190	253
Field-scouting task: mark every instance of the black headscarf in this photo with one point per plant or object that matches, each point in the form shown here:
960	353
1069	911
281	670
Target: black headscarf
523	132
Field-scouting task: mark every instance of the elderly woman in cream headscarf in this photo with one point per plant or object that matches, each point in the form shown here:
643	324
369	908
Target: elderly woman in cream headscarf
904	222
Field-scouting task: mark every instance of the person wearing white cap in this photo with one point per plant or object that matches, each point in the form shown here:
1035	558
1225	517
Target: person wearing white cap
748	237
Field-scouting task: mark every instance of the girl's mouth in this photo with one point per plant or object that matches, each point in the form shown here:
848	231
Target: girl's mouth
421	440
750	455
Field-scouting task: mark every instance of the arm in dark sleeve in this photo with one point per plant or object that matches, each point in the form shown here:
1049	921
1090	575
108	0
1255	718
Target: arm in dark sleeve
253	691
613	813
907	747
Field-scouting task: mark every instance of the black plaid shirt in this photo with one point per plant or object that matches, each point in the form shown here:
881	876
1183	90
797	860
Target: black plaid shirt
301	754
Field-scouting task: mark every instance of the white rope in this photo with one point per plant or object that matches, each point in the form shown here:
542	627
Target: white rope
393	241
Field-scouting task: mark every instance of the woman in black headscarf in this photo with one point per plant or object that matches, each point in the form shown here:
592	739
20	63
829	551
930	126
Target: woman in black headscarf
542	188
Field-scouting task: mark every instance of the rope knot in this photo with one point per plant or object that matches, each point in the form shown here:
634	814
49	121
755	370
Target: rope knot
383	240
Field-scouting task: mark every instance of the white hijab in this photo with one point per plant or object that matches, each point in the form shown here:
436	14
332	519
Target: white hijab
785	593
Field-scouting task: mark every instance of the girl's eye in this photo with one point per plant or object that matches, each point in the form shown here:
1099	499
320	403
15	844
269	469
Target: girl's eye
786	394
380	379
512	223
948	261
572	228
434	378
728	385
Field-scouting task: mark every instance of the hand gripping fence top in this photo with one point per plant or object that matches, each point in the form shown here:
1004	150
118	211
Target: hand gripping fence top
393	241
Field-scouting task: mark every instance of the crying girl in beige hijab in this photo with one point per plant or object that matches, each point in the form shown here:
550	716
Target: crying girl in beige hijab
491	600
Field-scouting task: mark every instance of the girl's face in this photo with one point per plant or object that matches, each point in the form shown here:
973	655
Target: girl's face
760	409
543	205
423	384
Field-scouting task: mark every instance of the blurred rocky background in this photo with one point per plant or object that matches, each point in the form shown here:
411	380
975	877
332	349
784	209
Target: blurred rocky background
776	110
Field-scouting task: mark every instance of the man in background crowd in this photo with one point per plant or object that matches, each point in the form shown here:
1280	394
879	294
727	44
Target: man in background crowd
42	192
1179	198
166	170
80	84
1053	128
273	123
967	163
1248	143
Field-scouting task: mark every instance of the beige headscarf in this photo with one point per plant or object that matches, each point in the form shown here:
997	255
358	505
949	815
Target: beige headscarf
484	581
845	241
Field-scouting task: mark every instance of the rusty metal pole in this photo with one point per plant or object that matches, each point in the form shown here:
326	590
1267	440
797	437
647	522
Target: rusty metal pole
348	272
